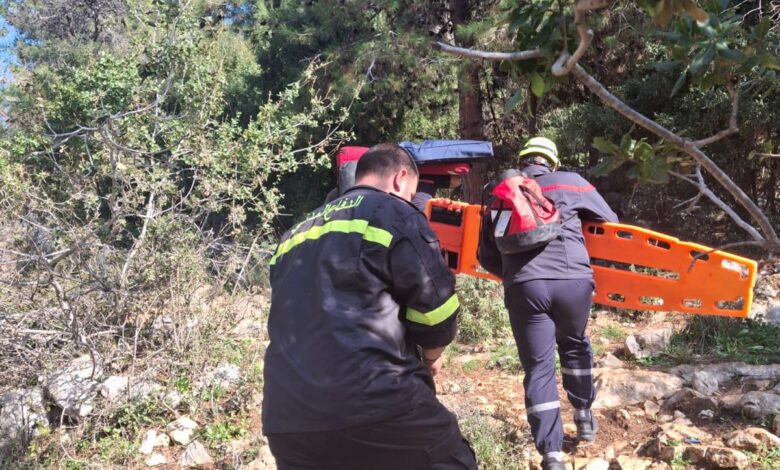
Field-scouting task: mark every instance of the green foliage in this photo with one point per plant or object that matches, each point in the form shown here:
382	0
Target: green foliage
483	316
645	163
496	444
719	338
222	432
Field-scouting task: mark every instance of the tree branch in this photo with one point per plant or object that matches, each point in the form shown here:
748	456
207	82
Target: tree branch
565	63
688	147
701	185
732	129
488	55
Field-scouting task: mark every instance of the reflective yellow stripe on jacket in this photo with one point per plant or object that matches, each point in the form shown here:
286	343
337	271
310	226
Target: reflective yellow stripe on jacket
435	316
371	234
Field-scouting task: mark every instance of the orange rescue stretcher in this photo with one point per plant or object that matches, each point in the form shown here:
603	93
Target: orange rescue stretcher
634	268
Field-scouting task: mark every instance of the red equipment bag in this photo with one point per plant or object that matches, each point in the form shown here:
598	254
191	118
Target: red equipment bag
522	218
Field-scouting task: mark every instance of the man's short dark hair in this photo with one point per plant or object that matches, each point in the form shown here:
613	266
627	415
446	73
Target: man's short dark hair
384	160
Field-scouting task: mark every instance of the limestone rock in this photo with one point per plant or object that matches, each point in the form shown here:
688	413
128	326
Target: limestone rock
690	402
728	371
147	444
694	454
121	389
633	463
22	410
648	343
609	361
651	408
706	414
74	386
596	464
751	439
621	387
723	457
757	405
182	430
705	382
155	460
195	455
224	376
777	425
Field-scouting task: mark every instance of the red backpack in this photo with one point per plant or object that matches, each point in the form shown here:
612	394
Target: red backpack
520	217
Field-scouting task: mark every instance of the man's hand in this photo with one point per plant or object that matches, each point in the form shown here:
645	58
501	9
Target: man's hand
433	359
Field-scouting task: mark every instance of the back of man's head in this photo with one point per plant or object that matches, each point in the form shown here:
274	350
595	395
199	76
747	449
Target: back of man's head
384	160
390	168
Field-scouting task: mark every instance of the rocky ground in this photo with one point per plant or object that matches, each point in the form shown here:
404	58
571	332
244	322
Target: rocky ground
700	412
719	415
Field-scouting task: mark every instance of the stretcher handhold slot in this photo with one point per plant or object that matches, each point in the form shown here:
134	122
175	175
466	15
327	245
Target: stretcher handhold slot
635	268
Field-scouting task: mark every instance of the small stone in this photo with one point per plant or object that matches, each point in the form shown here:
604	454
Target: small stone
195	455
452	387
569	428
481	399
596	464
162	440
665	419
225	376
722	457
679	414
609	454
694	454
633	463
147	445
651	408
623	418
155	460
648	343
173	398
182	430
609	361
706	414
659	466
777	425
705	382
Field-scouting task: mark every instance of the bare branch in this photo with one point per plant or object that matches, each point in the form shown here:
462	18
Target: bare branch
732	129
701	185
721	248
488	55
139	241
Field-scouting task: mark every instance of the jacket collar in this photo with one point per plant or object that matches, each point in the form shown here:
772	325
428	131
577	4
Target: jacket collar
534	171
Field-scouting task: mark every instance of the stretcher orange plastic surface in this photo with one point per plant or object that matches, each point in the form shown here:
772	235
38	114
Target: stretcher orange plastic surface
634	268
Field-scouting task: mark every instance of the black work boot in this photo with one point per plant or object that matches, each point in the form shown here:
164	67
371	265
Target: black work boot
553	461
587	427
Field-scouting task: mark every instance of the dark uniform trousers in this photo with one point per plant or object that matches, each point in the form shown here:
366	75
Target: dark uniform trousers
426	437
544	313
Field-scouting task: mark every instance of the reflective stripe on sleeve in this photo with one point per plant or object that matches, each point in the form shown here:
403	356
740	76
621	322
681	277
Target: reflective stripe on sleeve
435	316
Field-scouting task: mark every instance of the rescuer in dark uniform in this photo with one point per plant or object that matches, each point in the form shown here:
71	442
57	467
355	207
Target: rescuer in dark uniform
548	293
359	292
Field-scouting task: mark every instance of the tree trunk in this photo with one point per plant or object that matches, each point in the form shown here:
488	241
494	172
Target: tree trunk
469	108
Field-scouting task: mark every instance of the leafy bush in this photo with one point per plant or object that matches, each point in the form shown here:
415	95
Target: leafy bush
483	316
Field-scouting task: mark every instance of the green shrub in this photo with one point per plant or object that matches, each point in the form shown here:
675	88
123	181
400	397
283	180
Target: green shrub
482	316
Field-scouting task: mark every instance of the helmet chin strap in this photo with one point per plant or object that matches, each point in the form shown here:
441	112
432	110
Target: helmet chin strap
535	160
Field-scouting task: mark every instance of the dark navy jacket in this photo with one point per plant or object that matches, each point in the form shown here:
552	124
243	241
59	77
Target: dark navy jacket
355	288
565	257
